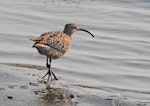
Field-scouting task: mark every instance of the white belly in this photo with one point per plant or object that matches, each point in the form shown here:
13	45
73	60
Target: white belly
50	52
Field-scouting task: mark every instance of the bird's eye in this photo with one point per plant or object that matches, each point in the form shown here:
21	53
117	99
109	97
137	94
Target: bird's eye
75	27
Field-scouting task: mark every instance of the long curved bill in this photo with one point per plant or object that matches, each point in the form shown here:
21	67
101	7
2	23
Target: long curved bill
80	29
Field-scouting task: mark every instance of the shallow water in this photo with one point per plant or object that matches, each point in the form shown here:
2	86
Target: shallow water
116	62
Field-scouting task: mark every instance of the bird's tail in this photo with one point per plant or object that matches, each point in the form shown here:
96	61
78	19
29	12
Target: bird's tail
34	43
32	39
35	40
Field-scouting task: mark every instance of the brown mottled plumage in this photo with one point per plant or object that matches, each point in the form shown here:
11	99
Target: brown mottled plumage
55	44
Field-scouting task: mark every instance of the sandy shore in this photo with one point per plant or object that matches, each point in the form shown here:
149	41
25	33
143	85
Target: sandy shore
21	85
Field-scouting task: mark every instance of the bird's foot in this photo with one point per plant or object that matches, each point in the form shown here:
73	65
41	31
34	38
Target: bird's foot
50	73
54	76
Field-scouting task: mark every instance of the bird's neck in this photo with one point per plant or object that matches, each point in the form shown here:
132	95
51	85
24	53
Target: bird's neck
67	32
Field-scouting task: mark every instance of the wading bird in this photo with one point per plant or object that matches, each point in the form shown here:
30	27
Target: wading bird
55	44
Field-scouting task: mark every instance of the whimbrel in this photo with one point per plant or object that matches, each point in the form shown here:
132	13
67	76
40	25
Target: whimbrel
55	44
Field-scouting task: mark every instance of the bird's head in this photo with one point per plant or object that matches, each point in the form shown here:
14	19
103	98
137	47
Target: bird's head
71	28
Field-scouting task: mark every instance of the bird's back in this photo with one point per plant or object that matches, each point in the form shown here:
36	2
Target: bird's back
53	44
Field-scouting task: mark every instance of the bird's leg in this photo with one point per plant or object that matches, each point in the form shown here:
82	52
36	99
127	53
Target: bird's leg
48	66
52	71
49	69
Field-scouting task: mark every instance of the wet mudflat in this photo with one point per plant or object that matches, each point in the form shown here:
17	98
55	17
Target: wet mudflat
23	86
